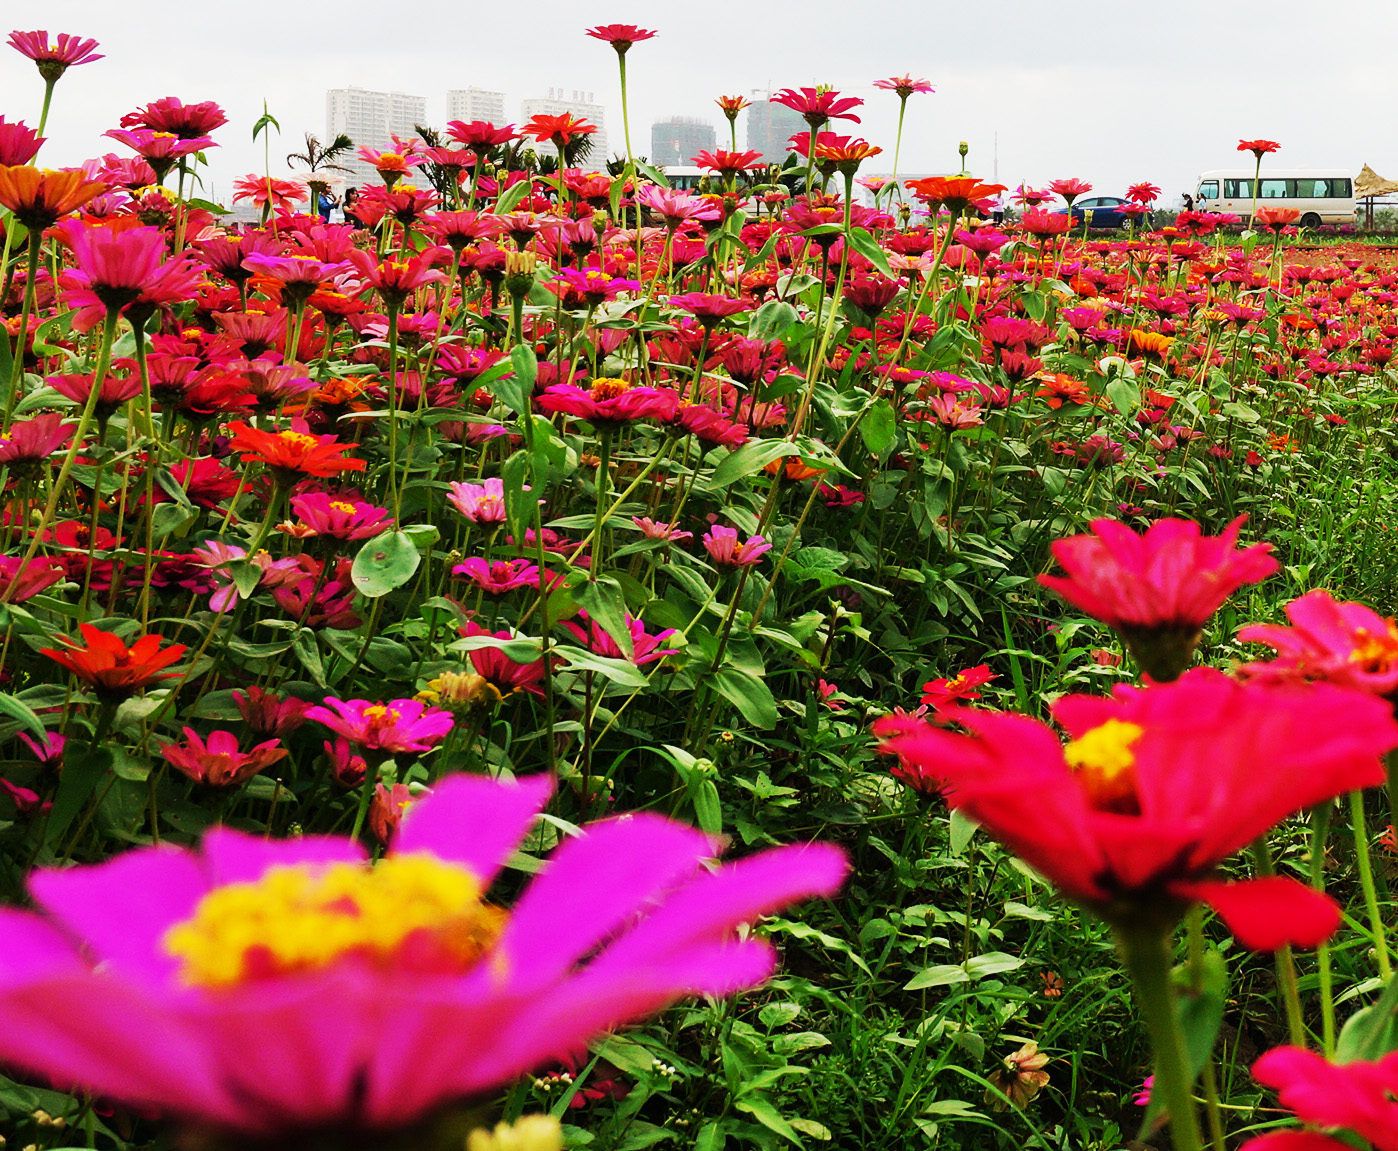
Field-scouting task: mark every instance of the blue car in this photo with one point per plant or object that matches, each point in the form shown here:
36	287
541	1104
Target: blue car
1106	212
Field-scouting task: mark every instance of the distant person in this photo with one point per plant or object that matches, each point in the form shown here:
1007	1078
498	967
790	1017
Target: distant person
351	195
997	209
1188	202
325	204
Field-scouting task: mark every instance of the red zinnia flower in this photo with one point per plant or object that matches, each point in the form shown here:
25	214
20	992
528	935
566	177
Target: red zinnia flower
1275	219
113	669
955	193
730	106
1158	786
620	36
938	693
1159	588
558	129
817	105
727	163
294	454
1258	148
187	121
1070	189
218	762
480	135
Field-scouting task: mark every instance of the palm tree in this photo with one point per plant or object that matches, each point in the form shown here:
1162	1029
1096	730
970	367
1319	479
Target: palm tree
320	157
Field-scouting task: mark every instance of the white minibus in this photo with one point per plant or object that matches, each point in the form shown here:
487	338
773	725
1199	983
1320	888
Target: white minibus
1321	195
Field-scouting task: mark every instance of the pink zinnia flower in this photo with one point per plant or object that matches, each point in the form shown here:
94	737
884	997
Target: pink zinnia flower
646	647
479	503
658	531
675	208
904	85
53	59
340	519
218	762
504	674
283	195
498	576
610	402
1157	787
257	989
400	725
32	441
725	550
1340	642
1360	1096
170	114
18	143
21	580
620	36
1156	589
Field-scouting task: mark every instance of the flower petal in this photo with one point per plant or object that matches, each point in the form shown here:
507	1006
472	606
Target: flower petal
474	821
1265	914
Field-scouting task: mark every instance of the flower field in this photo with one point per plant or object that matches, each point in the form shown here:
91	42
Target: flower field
558	660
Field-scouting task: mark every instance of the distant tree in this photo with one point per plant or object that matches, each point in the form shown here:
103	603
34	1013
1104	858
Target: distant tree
320	157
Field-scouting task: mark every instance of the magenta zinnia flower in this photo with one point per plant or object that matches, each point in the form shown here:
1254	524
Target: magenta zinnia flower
340	519
400	725
498	576
258	988
610	402
19	143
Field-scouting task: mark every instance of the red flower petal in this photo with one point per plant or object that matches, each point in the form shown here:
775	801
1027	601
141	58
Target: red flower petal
1264	914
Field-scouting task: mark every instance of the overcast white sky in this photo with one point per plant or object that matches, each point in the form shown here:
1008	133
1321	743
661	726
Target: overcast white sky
1106	92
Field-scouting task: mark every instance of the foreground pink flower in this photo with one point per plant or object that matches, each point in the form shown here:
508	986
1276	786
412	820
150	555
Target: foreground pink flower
1156	589
1360	1096
264	988
1157	787
402	725
479	503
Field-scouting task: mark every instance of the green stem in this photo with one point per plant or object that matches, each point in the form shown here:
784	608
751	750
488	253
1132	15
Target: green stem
44	112
36	241
1145	949
1366	881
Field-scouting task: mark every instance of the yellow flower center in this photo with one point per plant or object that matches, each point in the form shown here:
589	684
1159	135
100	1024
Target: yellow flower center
1106	765
608	389
381	716
299	440
341	506
1375	650
410	912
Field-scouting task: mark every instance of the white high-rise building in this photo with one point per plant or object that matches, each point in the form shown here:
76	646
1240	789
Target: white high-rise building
583	106
468	104
370	119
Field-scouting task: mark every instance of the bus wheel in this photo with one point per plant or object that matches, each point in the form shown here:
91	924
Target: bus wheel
1310	220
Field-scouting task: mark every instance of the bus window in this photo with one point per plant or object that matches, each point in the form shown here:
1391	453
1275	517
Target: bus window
1309	189
1208	190
1341	188
1237	189
1273	190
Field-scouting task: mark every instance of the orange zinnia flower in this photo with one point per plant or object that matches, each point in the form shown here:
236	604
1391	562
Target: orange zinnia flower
1152	343
113	669
955	193
294	454
39	197
792	468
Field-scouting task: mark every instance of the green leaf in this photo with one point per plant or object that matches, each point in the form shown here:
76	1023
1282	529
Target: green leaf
751	457
992	963
771	320
962	828
761	1109
621	671
749	694
385	562
708	812
604	602
942	975
83	767
511	196
865	244
878	429
1124	394
308	654
22	712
